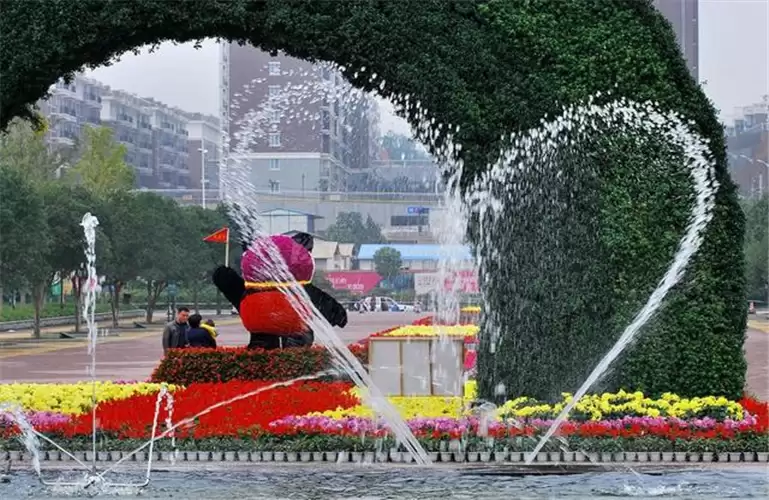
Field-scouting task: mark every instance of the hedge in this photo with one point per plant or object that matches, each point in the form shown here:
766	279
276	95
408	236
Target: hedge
186	366
493	67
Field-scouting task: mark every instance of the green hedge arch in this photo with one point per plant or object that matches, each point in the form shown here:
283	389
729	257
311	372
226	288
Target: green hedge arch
493	67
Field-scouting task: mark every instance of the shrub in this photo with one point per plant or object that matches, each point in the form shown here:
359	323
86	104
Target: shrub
186	366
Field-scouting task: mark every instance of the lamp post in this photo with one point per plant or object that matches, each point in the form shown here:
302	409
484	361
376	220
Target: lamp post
203	152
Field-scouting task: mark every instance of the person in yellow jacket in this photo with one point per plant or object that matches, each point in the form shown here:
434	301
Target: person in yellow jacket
209	326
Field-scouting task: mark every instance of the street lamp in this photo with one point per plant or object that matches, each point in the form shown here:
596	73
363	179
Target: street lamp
203	152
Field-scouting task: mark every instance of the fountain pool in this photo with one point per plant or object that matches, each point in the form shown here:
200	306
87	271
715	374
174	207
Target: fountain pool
298	482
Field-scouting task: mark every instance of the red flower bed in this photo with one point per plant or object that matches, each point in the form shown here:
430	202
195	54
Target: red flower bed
132	417
187	366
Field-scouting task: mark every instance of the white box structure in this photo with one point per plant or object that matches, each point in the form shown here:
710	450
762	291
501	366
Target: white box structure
417	366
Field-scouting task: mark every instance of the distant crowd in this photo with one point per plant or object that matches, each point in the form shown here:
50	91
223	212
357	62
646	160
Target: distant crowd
189	330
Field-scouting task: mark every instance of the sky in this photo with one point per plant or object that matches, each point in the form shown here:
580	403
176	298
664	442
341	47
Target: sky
734	65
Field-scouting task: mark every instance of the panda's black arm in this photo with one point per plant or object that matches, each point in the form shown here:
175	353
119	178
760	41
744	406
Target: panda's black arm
332	310
230	284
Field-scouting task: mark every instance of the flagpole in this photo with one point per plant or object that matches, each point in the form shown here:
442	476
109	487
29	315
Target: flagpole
227	249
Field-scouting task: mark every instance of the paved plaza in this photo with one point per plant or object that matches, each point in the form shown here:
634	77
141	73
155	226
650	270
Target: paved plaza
134	354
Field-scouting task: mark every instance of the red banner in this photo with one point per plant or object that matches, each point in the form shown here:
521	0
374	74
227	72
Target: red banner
354	281
221	236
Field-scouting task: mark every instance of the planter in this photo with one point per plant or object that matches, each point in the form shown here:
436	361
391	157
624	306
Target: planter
260	456
446	456
630	456
500	456
318	456
516	456
568	456
229	456
748	456
554	456
381	457
735	457
680	456
395	455
203	456
655	456
707	456
90	456
473	456
592	457
116	455
455	445
618	456
723	457
64	457
579	456
166	456
642	456
305	456
667	456
243	456
368	457
460	456
53	455
279	456
291	456
762	456
606	457
485	456
191	456
331	456
140	456
217	456
342	457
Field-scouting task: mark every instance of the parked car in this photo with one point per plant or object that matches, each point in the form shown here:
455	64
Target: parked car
382	304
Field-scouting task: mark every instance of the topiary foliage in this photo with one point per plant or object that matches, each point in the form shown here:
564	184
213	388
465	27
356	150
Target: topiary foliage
493	67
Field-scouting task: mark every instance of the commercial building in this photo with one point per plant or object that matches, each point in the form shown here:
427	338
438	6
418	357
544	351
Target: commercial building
308	130
417	258
684	16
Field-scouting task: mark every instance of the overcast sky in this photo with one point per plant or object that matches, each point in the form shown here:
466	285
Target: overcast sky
734	68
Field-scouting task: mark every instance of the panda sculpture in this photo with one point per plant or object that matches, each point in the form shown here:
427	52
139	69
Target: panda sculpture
265	310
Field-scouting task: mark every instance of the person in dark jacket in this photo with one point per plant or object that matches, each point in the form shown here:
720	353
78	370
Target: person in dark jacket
175	332
198	336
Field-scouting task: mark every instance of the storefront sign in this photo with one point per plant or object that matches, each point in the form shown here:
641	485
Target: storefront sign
354	281
465	281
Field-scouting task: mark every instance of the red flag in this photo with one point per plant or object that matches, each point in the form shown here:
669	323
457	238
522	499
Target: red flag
221	236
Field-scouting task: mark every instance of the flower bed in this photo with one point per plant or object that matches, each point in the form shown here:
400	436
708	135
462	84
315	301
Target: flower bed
187	366
70	398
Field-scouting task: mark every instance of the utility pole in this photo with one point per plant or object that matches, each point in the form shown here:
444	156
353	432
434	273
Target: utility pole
203	152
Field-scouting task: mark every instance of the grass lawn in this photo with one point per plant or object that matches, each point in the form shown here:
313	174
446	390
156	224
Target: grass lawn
27	311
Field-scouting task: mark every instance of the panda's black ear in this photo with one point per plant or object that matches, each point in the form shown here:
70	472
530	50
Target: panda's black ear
304	239
244	245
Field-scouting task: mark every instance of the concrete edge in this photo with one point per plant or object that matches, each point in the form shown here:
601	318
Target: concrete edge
575	458
66	320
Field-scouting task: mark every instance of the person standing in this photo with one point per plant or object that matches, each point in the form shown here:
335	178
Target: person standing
175	332
197	336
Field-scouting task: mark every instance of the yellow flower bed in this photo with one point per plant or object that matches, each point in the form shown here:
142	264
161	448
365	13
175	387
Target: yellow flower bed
433	331
70	398
471	309
595	407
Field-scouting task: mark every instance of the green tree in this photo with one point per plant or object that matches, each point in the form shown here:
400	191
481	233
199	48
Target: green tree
756	247
64	207
23	149
101	168
387	262
24	237
350	228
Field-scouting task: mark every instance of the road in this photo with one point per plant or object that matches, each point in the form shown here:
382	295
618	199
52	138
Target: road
133	356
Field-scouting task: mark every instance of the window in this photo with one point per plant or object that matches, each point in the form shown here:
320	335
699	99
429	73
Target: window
274	116
274	139
325	144
274	90
274	67
409	220
274	164
275	186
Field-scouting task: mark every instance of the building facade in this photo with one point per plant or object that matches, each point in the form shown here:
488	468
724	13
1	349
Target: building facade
297	126
684	16
748	145
71	107
204	155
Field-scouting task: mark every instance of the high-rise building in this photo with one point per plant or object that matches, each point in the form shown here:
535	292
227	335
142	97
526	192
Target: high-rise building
312	139
684	16
748	144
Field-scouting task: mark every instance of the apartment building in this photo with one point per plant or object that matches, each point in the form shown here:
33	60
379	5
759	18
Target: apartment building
748	145
70	107
310	138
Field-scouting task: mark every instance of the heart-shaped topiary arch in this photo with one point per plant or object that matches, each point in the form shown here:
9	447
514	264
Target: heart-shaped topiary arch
491	67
